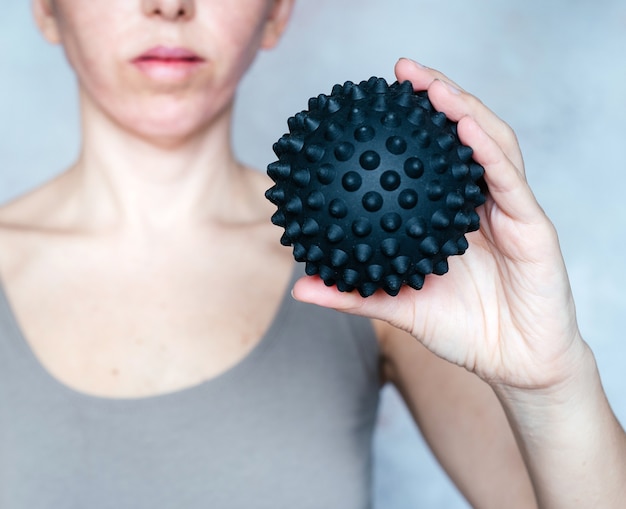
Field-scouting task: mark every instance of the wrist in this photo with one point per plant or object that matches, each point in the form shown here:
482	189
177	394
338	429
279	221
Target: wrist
572	444
570	375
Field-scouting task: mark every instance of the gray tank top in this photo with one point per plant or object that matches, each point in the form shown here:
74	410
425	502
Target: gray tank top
289	427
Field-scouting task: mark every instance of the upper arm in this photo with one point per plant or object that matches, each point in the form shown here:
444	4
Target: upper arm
462	421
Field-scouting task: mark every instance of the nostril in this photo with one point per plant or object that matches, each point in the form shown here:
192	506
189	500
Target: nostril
170	9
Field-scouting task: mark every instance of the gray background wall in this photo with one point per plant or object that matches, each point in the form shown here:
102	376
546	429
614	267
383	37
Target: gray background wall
555	70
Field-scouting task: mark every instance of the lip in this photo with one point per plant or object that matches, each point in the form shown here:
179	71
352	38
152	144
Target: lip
168	63
164	53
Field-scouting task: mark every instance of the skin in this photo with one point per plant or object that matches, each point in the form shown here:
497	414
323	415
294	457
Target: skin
115	260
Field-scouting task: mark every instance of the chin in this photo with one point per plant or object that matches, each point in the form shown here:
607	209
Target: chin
172	127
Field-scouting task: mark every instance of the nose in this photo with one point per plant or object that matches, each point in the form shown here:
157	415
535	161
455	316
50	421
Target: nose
171	10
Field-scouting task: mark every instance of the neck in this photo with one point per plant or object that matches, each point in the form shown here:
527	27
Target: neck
122	179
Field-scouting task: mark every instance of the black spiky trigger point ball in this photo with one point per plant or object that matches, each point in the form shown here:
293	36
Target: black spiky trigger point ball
374	188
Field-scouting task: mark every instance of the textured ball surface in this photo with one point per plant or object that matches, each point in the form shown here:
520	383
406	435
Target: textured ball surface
374	188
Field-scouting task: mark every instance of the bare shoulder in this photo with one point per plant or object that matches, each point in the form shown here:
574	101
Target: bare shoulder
31	210
14	214
15	223
23	220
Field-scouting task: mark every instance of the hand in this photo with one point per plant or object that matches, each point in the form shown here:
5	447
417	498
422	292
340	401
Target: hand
504	310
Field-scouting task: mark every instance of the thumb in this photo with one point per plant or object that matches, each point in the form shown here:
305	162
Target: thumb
312	290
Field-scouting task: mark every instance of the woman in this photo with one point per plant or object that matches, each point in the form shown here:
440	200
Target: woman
152	359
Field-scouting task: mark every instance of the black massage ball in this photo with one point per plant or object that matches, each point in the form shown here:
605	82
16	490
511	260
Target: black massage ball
374	188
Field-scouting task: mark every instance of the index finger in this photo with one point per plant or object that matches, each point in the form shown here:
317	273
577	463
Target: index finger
457	103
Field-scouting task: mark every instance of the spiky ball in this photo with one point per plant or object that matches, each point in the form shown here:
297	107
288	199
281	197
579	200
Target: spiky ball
374	188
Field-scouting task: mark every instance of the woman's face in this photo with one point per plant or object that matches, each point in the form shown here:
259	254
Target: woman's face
163	69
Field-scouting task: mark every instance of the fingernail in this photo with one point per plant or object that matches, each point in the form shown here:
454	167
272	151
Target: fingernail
421	66
451	88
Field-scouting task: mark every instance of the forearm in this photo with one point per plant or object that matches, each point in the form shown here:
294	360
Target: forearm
574	447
